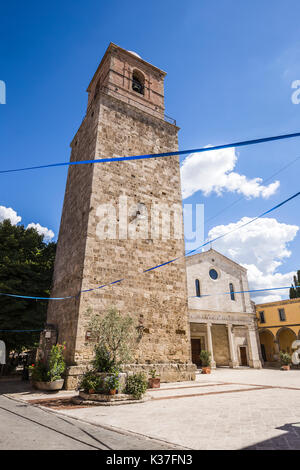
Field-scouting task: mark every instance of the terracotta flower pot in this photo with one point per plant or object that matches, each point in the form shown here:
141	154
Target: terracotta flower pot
285	367
206	370
91	391
113	391
154	382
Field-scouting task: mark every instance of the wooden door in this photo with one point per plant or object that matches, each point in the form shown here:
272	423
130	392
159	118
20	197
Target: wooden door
244	360
196	348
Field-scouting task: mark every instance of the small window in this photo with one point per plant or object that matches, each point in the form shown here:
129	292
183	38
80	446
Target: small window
213	274
197	284
281	314
262	317
232	296
138	82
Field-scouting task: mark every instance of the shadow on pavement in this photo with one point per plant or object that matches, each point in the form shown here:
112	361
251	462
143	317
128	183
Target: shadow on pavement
14	384
288	441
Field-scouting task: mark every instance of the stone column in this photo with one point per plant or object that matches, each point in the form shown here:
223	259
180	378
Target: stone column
254	360
233	359
276	354
210	345
258	344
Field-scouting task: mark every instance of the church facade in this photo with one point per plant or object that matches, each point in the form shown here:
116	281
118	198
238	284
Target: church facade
226	324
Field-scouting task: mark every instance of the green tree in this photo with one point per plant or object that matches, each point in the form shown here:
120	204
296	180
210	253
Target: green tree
295	289
26	268
116	334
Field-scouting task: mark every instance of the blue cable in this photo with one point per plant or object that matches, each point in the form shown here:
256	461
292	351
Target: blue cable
159	155
159	265
17	331
244	225
238	292
190	297
37	298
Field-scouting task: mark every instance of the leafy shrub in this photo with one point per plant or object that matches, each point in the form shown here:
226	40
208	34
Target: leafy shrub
152	373
136	385
90	381
285	358
39	371
56	364
52	370
205	358
103	362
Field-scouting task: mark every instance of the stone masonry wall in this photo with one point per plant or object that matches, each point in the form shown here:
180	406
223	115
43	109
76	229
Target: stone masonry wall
69	260
220	345
157	299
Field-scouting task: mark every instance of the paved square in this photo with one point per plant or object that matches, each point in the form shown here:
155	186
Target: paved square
230	409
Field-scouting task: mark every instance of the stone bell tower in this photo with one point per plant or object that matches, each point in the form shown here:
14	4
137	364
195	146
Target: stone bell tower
125	116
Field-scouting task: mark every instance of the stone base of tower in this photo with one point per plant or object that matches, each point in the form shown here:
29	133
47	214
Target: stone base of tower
168	372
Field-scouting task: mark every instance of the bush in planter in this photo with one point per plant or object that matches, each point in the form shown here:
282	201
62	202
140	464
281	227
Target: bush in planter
116	334
152	373
90	381
52	370
39	371
112	382
136	385
56	363
154	380
103	361
285	358
205	358
100	383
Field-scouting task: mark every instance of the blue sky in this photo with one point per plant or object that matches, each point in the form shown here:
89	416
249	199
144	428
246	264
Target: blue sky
230	66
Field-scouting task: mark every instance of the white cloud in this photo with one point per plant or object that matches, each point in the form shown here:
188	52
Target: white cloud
259	280
213	172
269	298
261	248
9	213
46	232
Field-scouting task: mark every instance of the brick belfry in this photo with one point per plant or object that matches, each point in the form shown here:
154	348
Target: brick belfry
125	116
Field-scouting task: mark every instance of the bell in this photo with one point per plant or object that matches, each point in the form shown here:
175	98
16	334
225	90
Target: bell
138	87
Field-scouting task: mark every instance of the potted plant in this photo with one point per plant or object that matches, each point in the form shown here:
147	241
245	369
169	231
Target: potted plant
285	360
205	358
112	383
154	380
90	382
47	375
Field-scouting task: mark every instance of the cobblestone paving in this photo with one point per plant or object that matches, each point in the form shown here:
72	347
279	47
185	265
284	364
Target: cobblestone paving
260	410
25	427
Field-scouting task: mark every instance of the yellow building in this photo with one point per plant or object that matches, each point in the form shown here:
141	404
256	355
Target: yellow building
278	326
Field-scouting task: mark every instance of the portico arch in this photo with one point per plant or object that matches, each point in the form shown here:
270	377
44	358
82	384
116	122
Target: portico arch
285	337
267	345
